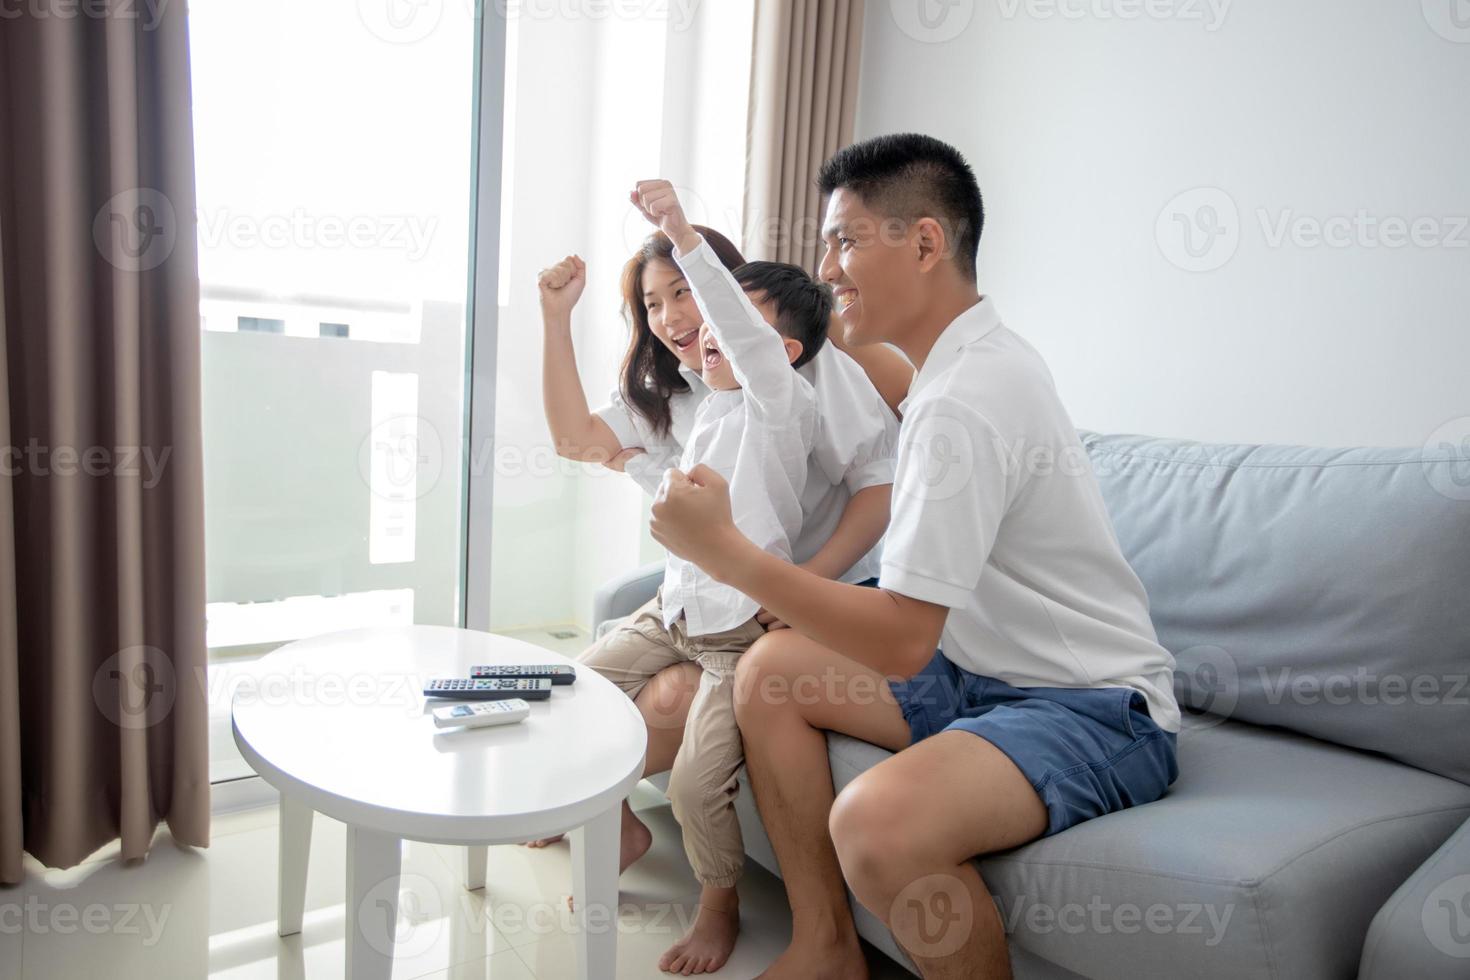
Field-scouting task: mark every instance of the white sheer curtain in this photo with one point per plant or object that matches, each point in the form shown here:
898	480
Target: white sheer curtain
594	105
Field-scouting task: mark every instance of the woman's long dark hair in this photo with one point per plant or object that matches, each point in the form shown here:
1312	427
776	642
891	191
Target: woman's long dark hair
650	370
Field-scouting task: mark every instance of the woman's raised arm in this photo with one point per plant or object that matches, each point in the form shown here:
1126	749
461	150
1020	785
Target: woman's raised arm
575	431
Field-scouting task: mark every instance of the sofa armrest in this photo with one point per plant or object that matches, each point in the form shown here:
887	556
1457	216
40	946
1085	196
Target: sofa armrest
1423	930
620	596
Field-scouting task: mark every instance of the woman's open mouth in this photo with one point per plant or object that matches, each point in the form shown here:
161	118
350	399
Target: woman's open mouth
684	341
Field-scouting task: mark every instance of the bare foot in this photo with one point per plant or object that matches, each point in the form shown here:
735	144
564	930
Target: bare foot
809	959
707	944
545	841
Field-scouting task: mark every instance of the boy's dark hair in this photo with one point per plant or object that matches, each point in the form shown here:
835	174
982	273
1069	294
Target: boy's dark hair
909	176
803	305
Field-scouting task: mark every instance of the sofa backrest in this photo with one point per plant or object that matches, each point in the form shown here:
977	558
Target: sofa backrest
1325	591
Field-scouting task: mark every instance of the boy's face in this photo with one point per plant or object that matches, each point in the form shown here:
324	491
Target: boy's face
715	367
872	263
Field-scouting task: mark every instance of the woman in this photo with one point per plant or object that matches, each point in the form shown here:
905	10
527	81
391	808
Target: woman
642	431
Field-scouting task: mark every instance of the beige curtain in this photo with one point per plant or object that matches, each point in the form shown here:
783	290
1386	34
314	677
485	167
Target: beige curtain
103	716
803	96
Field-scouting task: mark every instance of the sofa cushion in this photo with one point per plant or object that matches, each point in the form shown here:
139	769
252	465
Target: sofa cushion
1321	590
1268	858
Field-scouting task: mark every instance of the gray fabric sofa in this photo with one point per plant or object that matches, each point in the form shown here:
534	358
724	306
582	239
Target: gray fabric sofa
1318	604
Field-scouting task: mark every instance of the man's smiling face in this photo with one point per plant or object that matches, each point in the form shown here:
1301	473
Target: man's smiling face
872	263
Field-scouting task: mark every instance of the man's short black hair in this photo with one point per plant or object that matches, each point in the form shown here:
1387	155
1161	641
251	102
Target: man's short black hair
909	176
803	305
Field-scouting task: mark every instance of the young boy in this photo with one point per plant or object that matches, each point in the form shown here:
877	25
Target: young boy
756	428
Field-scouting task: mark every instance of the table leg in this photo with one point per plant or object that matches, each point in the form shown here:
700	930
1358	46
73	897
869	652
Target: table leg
374	861
291	861
595	891
475	860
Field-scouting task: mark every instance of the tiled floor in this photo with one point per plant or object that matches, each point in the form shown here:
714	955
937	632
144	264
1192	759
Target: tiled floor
187	913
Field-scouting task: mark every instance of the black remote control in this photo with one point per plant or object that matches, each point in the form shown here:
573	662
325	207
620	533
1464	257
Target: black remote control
489	688
558	674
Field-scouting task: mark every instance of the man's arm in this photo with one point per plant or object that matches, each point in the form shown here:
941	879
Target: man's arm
888	632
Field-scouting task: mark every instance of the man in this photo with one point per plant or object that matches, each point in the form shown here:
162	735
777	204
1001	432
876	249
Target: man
1052	701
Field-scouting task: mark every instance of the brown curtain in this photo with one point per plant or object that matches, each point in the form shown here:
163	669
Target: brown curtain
803	97
103	715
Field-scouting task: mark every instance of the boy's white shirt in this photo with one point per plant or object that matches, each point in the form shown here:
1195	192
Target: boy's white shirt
997	514
854	448
757	436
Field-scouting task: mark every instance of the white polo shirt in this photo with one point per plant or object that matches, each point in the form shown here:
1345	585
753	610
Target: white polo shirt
997	514
757	436
854	447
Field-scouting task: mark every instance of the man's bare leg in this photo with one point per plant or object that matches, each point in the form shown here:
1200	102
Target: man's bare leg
789	690
664	704
905	832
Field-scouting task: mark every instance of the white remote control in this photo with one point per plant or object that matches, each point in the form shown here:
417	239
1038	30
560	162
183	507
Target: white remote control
482	713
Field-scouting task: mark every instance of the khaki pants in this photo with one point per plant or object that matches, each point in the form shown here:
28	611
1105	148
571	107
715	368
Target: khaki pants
702	784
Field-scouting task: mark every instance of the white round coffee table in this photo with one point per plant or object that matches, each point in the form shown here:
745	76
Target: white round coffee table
338	724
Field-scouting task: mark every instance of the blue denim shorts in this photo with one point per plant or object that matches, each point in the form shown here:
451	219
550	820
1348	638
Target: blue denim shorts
1086	751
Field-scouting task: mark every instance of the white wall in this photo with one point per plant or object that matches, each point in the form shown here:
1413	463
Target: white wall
1085	118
